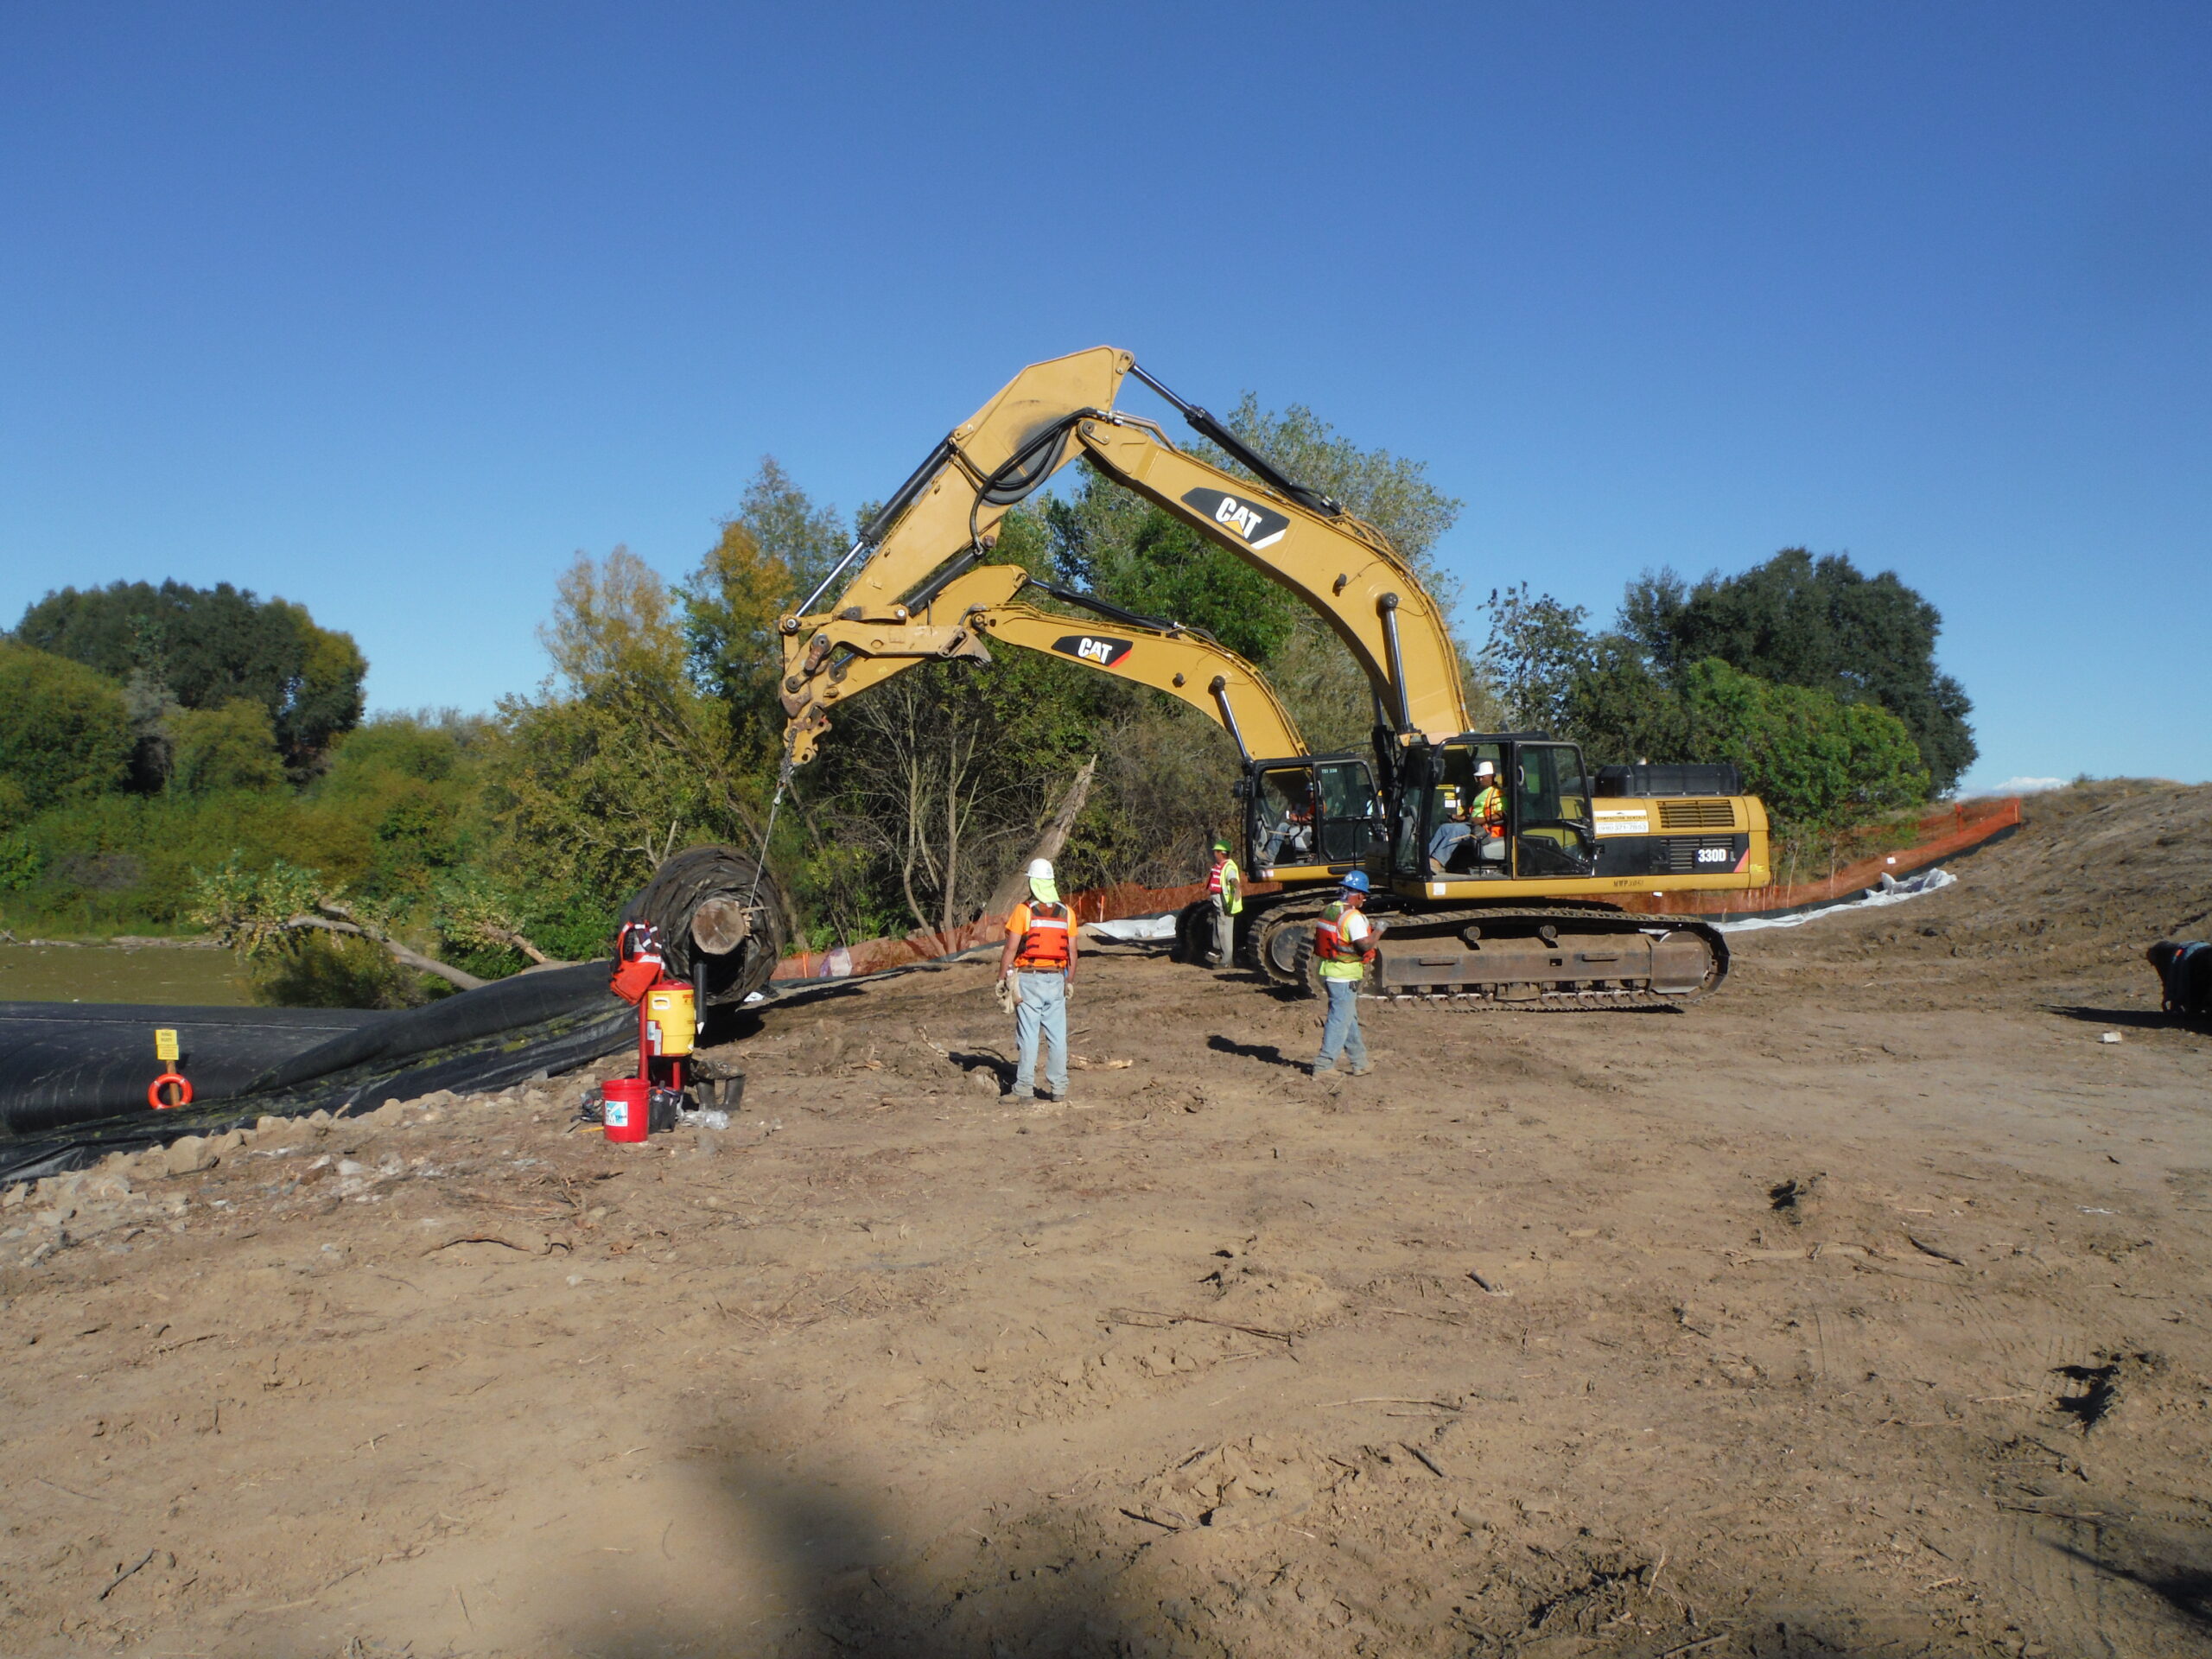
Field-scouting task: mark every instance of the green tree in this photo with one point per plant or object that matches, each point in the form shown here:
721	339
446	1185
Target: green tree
620	759
205	647
1817	762
1145	559
1818	623
229	748
1536	655
64	731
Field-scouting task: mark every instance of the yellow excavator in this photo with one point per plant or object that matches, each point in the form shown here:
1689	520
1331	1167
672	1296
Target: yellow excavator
1530	915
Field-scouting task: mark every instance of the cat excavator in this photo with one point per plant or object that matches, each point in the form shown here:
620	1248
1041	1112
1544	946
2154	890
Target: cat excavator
1532	915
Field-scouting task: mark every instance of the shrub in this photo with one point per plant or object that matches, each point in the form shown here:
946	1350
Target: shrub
65	732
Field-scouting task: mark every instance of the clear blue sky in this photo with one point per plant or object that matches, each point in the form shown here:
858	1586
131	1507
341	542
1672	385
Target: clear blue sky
391	309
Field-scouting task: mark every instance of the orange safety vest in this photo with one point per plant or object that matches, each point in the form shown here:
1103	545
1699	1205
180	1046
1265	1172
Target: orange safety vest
1328	942
1044	947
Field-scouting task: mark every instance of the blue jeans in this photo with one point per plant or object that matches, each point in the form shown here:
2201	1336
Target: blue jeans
1042	1007
1343	1030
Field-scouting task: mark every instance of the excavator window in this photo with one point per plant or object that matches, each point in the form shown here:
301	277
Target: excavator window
1553	834
1284	830
1455	834
1351	815
1319	812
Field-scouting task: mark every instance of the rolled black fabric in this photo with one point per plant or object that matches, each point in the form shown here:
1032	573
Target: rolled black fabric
732	881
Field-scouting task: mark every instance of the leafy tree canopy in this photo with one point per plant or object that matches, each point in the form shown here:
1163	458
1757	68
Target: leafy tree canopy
203	647
229	748
65	732
1818	623
1816	761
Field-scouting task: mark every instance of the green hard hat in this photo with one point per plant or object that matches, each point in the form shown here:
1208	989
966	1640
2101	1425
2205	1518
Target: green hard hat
1220	846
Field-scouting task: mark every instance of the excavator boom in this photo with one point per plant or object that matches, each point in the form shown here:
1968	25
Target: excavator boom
980	605
1052	412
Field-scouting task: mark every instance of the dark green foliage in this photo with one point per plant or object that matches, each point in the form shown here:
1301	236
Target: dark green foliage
1143	559
206	647
65	732
1818	623
1536	656
1817	762
214	750
322	971
1621	708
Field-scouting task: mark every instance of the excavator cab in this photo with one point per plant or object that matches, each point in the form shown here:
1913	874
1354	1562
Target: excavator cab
1442	836
1309	818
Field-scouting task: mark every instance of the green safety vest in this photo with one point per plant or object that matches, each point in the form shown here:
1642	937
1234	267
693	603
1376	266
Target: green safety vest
1232	886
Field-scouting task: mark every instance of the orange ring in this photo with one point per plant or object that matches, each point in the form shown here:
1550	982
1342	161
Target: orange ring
154	1092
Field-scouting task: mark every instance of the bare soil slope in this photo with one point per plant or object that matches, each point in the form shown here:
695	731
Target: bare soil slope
1859	1310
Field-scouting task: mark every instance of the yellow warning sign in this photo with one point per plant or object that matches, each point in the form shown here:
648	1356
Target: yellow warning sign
165	1046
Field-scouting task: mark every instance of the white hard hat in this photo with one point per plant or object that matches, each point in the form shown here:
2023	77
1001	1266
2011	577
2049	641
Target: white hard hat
1484	769
1041	869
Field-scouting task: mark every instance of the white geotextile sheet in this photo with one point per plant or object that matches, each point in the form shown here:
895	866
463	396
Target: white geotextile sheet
1891	891
1135	929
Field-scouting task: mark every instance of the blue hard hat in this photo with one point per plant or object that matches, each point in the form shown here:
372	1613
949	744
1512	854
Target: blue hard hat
1356	882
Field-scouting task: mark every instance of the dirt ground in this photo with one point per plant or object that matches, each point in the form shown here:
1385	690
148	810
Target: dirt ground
1859	1310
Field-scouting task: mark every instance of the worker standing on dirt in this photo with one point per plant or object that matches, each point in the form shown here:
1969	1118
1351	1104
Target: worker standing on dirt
1344	941
1039	961
1225	892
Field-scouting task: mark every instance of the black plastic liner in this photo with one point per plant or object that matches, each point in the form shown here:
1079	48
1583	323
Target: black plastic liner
73	1076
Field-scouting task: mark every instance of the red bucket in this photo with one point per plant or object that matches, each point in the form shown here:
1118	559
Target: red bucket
628	1108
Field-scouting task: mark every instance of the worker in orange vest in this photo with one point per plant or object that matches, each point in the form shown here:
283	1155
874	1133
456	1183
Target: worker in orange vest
1038	960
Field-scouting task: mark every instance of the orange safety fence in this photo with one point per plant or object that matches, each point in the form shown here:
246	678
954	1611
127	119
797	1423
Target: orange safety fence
1940	835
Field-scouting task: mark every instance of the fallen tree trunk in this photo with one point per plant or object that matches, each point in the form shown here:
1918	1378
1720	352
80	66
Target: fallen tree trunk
1015	886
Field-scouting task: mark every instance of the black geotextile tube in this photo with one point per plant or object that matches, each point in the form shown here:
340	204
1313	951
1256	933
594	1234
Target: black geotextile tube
543	1023
686	881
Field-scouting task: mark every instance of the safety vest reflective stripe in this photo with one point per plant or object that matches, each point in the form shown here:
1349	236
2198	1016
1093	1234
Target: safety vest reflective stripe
1045	939
1328	942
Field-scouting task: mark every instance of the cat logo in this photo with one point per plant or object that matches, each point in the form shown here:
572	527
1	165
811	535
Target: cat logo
1250	523
1090	648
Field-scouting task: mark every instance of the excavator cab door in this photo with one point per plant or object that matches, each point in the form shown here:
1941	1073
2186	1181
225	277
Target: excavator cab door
1308	818
1553	832
1351	812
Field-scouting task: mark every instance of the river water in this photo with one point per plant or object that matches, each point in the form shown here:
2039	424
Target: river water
107	973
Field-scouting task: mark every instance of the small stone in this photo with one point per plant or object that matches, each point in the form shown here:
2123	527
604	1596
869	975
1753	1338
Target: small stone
187	1156
267	1125
984	1081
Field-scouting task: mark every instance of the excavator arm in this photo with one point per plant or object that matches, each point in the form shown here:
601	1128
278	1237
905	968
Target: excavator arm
980	605
948	512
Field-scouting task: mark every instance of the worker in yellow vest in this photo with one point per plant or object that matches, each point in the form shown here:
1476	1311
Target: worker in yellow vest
1038	959
1344	944
1225	892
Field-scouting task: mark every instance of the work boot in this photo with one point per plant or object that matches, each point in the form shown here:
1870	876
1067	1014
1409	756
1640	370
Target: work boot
1361	1070
1318	1070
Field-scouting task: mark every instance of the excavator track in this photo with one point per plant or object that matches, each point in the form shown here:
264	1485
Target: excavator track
1588	965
